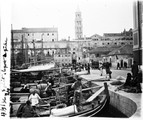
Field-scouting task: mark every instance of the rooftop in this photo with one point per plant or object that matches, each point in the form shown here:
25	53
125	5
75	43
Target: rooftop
34	30
126	49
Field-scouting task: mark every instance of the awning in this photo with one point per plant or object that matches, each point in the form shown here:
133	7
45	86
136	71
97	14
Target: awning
37	68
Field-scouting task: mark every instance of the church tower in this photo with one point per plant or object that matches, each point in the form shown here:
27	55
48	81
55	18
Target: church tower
78	24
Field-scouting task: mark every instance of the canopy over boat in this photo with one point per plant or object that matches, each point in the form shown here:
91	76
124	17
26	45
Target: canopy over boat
37	68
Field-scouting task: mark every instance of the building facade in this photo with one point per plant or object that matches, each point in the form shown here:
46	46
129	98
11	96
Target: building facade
123	38
137	31
32	43
63	56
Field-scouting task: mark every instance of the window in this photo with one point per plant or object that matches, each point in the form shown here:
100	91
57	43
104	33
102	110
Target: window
28	34
52	40
52	33
48	34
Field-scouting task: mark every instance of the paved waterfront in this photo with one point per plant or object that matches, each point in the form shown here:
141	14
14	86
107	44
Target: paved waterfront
95	75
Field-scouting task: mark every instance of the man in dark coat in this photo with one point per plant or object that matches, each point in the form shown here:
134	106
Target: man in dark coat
134	69
28	110
108	71
88	68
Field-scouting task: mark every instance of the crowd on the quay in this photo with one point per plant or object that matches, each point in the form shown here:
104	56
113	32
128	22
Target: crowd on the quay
133	78
98	65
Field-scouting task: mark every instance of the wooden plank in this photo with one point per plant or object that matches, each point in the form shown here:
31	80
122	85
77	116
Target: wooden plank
90	88
95	94
19	94
14	103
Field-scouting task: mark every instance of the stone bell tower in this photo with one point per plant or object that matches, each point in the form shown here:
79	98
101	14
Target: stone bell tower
78	25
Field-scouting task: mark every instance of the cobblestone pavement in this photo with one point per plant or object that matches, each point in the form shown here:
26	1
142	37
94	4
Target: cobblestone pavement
115	73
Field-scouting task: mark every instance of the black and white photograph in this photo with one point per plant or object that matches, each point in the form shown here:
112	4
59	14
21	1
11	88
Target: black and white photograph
71	58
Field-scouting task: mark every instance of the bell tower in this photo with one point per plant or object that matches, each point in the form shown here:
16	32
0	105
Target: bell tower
78	25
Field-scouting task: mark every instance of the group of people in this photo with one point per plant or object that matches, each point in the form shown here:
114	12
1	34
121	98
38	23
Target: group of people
78	67
121	64
34	98
29	110
105	66
133	80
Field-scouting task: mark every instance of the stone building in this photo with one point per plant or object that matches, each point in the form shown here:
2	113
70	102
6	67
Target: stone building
122	38
122	54
138	31
63	56
32	43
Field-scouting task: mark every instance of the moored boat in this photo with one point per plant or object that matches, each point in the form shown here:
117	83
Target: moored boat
93	101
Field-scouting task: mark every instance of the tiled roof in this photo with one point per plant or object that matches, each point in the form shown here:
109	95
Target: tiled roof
103	50
126	49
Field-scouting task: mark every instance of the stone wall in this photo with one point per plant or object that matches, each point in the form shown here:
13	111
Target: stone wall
123	104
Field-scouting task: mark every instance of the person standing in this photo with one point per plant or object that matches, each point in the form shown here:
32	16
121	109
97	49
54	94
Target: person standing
34	99
125	64
77	86
108	71
88	68
134	69
101	68
118	64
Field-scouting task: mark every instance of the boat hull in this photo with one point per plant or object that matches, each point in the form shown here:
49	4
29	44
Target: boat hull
95	112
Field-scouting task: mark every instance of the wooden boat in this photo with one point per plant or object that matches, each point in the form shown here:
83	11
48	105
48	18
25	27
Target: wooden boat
31	75
20	95
93	101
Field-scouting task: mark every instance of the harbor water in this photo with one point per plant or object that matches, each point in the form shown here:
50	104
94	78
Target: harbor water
111	112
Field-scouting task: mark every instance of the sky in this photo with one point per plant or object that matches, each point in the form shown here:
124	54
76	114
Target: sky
98	16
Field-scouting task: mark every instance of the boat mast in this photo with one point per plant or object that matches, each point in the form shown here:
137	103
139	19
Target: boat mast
12	49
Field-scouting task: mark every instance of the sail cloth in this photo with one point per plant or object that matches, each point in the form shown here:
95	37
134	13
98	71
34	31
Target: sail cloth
64	111
38	68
